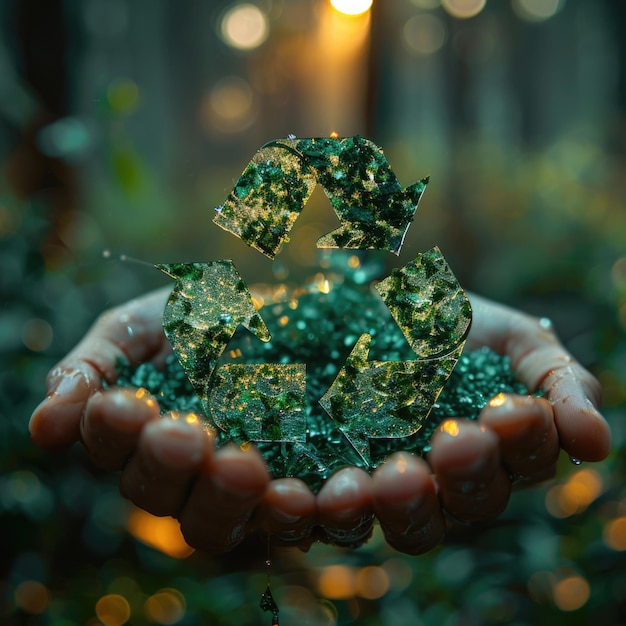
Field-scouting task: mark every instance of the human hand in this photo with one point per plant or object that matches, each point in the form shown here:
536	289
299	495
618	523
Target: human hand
170	466
516	440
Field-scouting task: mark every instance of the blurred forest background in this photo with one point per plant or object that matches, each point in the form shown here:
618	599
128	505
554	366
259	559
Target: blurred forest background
123	123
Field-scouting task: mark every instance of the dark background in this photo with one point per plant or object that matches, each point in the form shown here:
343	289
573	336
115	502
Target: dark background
124	123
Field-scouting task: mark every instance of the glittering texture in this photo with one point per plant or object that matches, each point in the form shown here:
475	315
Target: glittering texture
267	199
325	323
428	304
260	402
207	305
384	399
392	399
374	210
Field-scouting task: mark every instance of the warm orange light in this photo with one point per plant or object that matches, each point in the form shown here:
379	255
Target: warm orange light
113	610
498	400
571	593
351	7
161	533
615	534
166	607
450	427
32	597
334	134
337	582
575	495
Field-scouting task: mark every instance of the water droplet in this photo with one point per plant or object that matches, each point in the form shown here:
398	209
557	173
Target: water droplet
546	323
575	461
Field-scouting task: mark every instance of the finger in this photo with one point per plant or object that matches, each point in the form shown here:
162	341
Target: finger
529	441
287	510
169	456
540	361
345	507
465	459
216	515
406	504
112	424
131	332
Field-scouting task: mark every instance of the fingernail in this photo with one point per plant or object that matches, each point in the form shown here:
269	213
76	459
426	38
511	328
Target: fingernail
68	384
176	443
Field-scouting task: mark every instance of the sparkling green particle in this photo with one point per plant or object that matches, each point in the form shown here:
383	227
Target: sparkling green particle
374	210
349	309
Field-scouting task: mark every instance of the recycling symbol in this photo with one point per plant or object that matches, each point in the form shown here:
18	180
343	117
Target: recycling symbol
266	402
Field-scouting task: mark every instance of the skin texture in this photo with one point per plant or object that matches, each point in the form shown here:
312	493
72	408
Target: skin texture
169	465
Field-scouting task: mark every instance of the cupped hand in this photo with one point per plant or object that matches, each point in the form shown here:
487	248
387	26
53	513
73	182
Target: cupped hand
516	440
170	466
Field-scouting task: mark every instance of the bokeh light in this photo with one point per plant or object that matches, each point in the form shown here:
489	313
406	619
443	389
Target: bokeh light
123	96
372	582
113	610
166	607
575	495
229	106
424	33
463	9
337	582
66	138
537	10
244	27
37	334
351	7
31	596
615	533
399	573
571	593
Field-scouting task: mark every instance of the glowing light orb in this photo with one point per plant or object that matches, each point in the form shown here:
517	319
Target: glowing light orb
537	10
463	8
244	27
351	7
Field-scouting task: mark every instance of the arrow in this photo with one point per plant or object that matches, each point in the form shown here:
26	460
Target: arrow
384	398
393	398
207	305
374	210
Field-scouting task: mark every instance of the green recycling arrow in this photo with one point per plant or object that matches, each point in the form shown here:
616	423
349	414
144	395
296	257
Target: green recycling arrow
374	210
371	399
250	402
